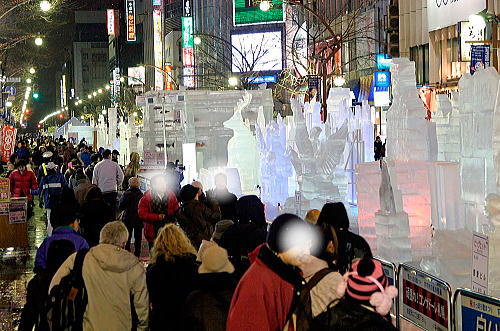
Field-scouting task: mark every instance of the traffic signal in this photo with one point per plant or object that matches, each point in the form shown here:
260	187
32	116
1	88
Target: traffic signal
36	95
393	31
39	125
27	111
61	115
25	118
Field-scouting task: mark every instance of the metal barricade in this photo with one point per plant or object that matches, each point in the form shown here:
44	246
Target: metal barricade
391	272
424	300
475	311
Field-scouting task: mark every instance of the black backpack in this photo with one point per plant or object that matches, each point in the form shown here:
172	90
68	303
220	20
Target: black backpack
67	301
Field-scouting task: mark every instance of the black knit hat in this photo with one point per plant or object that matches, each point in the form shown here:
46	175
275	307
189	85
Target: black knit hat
188	192
284	225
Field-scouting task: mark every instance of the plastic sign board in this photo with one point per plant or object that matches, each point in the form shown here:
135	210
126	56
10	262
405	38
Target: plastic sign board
381	97
136	75
480	57
424	300
382	78
480	253
187	32
157	2
444	13
158	48
248	12
262	79
383	62
476	312
110	22
131	32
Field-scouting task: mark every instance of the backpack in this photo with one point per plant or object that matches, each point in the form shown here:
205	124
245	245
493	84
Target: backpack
67	301
300	314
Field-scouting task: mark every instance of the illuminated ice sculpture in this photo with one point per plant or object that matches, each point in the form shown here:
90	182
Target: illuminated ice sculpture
242	152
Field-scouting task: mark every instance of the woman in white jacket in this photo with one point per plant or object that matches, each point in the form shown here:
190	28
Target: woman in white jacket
112	276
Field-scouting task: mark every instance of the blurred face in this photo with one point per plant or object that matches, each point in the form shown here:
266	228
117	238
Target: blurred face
297	255
21	169
220	182
159	186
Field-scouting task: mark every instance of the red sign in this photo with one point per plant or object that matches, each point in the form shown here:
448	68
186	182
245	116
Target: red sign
425	302
169	85
8	142
131	36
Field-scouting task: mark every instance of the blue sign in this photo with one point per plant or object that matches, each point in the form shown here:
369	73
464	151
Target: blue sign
477	319
262	79
11	90
383	62
382	78
480	57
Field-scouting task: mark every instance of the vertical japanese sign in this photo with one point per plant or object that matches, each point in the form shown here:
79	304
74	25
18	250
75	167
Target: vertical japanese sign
131	33
110	22
8	142
158	48
169	85
480	57
4	190
423	300
480	253
116	86
188	51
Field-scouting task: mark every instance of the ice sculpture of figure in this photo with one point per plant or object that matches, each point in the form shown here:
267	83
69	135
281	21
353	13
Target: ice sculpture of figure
275	165
315	163
242	147
493	213
392	224
409	135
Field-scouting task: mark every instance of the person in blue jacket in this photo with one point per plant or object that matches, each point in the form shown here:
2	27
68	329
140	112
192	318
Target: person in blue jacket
64	221
50	188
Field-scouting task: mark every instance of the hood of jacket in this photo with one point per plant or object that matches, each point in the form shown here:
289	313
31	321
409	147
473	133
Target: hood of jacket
113	258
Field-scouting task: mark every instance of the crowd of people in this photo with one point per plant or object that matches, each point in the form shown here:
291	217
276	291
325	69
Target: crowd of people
215	262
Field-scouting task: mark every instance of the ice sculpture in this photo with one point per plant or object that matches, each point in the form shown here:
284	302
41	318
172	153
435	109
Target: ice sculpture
493	211
275	165
392	225
447	121
318	164
409	135
242	147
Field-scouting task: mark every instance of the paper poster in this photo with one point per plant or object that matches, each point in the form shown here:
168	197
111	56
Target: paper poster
4	190
4	208
18	211
479	272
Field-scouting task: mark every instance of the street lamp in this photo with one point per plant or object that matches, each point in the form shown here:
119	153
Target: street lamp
339	81
197	40
104	112
233	81
45	6
134	113
38	41
107	87
99	91
8	104
32	70
94	94
82	117
264	5
89	96
28	81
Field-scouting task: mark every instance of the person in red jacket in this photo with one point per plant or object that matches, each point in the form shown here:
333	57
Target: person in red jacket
22	181
268	290
157	207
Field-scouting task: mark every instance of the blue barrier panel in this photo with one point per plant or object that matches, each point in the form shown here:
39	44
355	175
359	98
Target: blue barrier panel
475	311
424	300
391	271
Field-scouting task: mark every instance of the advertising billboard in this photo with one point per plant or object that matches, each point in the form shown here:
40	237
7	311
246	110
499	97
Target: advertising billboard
188	51
110	22
443	13
136	75
131	33
382	78
158	48
248	12
259	51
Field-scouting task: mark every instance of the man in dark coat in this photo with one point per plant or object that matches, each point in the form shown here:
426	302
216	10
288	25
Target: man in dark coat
194	217
225	199
129	204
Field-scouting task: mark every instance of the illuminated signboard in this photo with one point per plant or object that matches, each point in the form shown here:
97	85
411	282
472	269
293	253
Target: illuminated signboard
264	49
157	2
110	22
136	75
262	79
131	33
169	85
158	48
188	52
383	62
382	78
248	12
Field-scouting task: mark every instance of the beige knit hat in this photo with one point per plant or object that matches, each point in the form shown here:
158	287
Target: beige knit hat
215	259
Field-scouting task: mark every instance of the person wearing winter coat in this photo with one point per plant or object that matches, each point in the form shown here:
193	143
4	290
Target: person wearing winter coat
22	181
268	290
207	307
170	277
132	169
334	219
128	204
50	188
38	287
95	214
108	176
82	187
225	199
367	302
64	221
196	218
89	170
115	281
157	207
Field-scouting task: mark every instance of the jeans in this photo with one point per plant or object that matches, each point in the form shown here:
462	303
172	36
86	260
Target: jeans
137	239
111	199
49	226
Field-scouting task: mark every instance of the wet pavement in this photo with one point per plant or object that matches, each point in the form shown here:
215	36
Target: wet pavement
16	270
